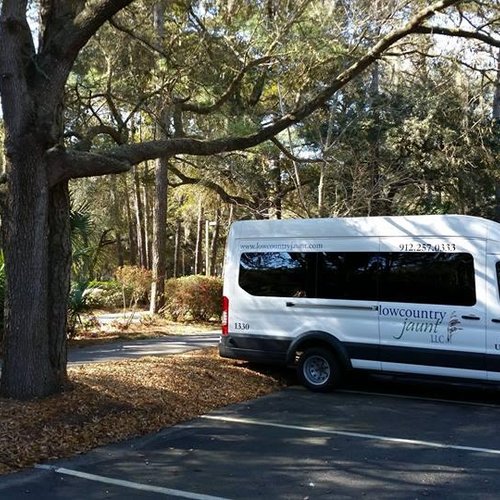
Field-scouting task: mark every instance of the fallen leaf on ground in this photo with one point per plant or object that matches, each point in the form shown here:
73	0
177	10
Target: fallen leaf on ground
117	400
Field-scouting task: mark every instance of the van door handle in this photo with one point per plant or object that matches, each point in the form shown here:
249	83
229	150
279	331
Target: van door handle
495	320
471	317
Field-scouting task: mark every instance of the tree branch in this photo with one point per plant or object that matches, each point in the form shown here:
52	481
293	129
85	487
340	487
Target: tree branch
457	32
130	154
185	105
17	54
224	195
370	57
70	27
132	34
65	165
136	153
205	110
291	156
85	141
65	29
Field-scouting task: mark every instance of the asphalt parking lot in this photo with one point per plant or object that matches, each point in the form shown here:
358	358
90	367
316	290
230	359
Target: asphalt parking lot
374	439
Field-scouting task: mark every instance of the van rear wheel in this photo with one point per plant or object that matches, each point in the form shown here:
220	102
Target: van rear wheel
319	370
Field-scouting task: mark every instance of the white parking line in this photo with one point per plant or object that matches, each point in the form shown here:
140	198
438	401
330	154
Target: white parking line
322	430
128	484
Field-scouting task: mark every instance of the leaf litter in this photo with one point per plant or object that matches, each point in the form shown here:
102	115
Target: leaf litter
116	400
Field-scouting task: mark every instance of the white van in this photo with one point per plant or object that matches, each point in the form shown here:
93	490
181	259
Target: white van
417	294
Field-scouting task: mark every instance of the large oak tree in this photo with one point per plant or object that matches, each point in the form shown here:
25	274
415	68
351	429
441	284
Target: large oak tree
36	231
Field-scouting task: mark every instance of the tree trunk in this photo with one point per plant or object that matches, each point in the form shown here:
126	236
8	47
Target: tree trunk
139	217
185	263
38	260
277	203
159	251
326	146
321	189
120	257
496	119
132	239
159	246
199	238
117	203
147	223
215	244
496	96
376	204
207	248
177	244
60	279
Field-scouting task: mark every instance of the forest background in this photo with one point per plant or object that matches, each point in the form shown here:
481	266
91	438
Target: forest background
406	101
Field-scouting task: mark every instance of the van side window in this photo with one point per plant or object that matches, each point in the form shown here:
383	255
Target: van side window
348	275
428	278
410	277
497	265
278	274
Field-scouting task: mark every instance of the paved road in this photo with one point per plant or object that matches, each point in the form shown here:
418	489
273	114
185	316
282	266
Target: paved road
122	317
147	347
395	443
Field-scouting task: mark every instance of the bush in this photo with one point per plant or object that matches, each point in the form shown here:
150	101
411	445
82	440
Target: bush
193	297
77	305
135	281
107	295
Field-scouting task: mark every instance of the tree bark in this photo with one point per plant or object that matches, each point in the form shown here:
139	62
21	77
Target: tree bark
148	219
59	274
376	203
37	254
117	217
159	250
214	246
139	219
496	96
496	119
132	238
199	238
177	244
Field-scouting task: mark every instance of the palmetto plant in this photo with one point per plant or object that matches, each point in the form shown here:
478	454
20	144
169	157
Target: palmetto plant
86	254
84	251
77	304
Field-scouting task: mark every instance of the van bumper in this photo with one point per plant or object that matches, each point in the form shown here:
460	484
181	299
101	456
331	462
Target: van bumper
257	349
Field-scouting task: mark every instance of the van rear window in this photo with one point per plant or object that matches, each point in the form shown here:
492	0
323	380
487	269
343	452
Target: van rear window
411	277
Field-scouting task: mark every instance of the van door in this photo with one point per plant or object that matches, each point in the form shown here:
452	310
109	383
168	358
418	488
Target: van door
432	307
493	318
345	304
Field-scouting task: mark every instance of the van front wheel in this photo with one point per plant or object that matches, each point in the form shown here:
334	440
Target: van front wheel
318	370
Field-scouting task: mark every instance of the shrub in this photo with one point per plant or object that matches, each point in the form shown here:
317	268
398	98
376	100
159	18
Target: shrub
77	304
193	297
107	295
135	281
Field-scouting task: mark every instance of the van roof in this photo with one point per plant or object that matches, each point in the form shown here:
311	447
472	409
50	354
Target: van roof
412	225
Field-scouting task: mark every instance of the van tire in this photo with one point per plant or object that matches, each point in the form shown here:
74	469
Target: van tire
318	370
